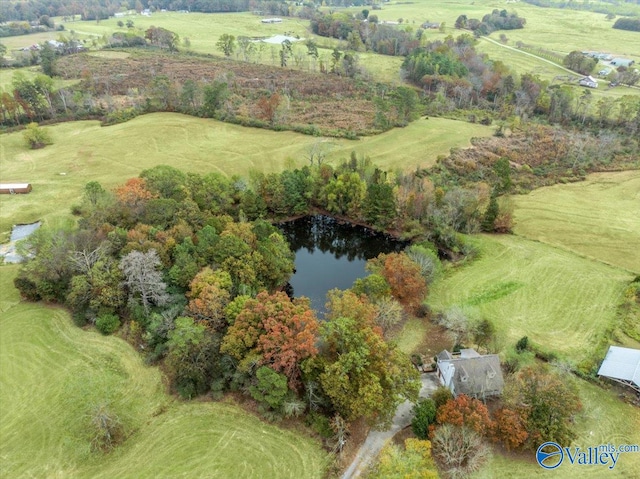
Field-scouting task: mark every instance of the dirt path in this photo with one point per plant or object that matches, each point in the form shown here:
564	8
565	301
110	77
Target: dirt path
491	40
376	440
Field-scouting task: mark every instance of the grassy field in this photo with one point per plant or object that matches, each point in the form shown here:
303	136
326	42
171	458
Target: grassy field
84	151
598	218
53	375
559	30
562	302
604	420
6	77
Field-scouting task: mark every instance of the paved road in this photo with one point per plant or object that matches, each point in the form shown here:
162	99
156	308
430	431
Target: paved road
376	440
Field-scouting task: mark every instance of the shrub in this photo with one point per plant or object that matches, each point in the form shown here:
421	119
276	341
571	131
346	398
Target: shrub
36	137
459	450
107	323
106	429
424	416
441	396
522	344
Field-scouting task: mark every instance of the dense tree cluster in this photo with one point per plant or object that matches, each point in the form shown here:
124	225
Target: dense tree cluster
631	24
496	20
537	406
173	260
361	34
580	63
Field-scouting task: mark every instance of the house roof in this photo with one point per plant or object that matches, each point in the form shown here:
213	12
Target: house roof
621	363
443	355
474	375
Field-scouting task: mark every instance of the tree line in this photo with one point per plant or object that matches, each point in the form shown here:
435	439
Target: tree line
631	24
13	10
491	22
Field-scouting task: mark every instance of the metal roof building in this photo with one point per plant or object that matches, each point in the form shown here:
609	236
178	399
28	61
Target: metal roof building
622	365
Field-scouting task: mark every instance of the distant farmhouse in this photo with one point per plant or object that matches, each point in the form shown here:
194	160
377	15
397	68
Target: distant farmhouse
271	20
430	25
470	373
589	82
623	366
622	62
14	188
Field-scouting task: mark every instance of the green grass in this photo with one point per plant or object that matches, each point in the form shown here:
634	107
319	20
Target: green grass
597	218
202	29
562	302
559	30
52	374
84	151
6	77
604	420
410	337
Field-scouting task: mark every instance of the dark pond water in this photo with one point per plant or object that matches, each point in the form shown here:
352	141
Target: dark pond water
330	254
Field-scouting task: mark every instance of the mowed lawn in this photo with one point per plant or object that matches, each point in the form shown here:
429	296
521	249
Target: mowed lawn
85	151
562	302
598	218
52	377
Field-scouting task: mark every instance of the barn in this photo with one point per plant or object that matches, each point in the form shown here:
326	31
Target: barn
14	188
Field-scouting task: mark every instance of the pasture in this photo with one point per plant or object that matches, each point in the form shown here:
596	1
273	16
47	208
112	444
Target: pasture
85	151
598	218
562	302
52	377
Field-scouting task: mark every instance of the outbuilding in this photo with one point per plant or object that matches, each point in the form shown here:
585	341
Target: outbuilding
622	62
14	188
623	366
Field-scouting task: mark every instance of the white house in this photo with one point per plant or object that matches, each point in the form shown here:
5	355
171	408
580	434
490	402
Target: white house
589	82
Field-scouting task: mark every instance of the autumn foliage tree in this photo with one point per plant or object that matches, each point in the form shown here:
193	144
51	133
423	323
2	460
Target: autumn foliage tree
364	376
466	411
274	331
210	294
268	107
547	403
403	275
509	428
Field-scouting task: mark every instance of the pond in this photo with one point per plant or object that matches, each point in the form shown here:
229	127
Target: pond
19	232
331	254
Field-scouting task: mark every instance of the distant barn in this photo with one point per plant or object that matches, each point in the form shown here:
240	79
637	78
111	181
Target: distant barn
14	188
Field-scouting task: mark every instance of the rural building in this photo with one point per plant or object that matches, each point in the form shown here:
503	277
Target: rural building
14	188
589	82
271	20
623	366
430	25
622	62
470	373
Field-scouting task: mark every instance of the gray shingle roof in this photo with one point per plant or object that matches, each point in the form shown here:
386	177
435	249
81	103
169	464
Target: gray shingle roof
473	375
